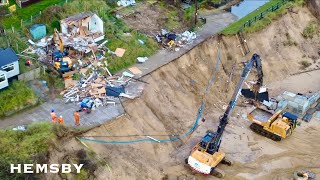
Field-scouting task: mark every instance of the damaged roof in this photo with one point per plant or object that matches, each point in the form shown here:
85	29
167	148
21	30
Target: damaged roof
78	17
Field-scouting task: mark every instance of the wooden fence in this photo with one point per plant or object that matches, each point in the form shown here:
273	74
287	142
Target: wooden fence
264	13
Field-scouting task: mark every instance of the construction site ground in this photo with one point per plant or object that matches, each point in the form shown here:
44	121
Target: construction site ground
170	102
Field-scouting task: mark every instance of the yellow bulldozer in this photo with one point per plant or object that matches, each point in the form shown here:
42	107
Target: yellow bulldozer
274	126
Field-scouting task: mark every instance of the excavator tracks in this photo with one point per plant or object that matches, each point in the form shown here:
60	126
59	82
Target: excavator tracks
219	173
259	130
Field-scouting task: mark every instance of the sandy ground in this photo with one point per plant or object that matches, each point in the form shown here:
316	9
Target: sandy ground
170	103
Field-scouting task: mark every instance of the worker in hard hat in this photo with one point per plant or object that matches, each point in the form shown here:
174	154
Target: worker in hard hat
60	120
53	117
76	115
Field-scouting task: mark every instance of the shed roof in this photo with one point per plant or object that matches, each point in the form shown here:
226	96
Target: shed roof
7	56
78	17
36	26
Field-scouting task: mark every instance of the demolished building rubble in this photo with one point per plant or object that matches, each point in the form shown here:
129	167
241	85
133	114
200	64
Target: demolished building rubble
103	90
87	77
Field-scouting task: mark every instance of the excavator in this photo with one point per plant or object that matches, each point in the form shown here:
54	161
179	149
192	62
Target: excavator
62	63
206	155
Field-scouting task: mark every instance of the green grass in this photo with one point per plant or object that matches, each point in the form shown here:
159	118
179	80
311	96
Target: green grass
19	147
15	40
261	24
311	30
16	97
173	21
26	12
54	81
133	50
235	27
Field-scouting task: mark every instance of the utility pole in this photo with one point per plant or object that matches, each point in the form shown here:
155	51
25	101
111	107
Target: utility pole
196	13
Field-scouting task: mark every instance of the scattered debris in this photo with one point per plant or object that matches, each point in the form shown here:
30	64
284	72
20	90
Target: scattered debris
127	74
298	104
120	52
142	59
140	41
304	175
251	95
135	70
75	55
126	3
20	128
95	90
172	40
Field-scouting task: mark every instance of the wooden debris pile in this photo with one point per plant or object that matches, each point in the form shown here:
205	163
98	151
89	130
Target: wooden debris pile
100	89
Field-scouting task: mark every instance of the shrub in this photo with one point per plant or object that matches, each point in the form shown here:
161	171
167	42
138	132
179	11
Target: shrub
311	30
305	64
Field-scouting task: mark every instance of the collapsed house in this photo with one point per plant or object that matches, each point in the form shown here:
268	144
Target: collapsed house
85	24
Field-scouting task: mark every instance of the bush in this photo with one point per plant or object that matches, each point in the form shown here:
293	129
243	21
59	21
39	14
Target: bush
311	30
305	64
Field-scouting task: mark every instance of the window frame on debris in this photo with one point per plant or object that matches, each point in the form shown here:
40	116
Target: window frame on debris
2	78
8	67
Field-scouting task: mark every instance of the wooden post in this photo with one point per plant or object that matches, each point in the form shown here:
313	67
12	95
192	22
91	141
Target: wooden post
17	46
196	13
12	29
8	43
21	23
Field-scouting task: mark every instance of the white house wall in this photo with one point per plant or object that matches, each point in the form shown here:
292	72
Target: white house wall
96	24
4	83
15	70
64	28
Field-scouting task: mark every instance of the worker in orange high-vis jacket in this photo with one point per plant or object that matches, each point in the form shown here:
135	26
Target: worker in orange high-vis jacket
76	115
53	117
60	120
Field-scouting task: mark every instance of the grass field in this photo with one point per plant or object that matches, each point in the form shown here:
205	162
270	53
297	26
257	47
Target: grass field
30	146
15	97
235	27
26	12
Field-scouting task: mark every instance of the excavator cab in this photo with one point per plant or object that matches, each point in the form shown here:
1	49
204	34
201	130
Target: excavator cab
206	143
292	121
